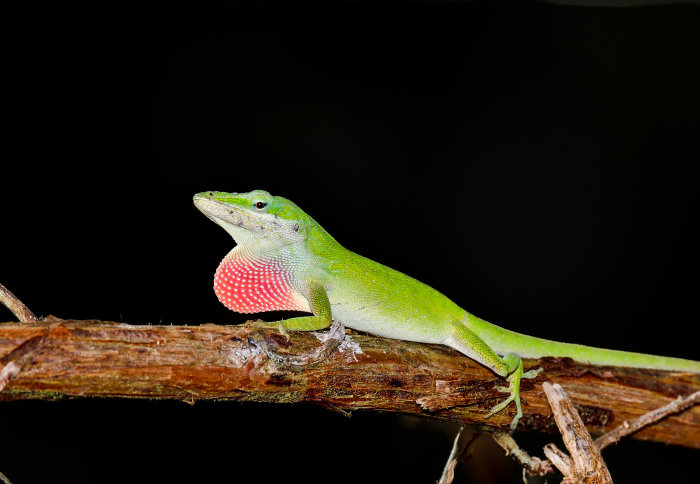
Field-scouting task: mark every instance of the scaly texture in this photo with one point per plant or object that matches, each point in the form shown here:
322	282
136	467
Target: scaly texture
246	284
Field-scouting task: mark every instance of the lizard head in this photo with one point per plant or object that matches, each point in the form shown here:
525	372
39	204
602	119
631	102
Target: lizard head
255	217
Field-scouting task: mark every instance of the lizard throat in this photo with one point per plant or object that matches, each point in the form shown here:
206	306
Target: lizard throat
248	284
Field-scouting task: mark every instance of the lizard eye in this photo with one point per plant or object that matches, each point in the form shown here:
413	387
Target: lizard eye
260	205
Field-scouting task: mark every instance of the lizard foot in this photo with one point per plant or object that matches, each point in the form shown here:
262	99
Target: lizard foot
514	390
298	362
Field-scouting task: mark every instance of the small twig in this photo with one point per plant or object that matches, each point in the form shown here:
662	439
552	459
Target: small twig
558	458
448	473
336	335
11	302
533	465
627	428
586	464
455	456
4	479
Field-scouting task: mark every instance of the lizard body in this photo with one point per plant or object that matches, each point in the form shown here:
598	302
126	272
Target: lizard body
284	260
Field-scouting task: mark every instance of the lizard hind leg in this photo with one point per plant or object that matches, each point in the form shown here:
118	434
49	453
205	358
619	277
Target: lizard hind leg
510	366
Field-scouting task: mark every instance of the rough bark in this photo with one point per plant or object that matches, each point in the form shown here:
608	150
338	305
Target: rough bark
68	358
584	464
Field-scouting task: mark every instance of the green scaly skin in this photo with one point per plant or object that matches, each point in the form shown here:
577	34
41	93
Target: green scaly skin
335	283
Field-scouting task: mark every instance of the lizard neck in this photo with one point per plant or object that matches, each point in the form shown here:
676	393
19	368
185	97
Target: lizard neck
253	282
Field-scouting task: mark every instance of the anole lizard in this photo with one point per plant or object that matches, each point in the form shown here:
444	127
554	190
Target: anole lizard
284	260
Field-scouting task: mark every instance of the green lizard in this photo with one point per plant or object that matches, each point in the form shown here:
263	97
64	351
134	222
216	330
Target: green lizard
284	260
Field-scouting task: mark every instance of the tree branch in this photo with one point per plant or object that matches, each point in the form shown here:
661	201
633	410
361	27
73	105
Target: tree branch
68	358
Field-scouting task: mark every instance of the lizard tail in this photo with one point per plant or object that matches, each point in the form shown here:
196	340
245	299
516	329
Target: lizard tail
504	341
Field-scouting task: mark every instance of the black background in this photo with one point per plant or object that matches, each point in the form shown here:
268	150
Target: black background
537	163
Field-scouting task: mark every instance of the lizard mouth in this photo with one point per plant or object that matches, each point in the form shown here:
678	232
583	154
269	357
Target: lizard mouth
242	224
235	220
247	225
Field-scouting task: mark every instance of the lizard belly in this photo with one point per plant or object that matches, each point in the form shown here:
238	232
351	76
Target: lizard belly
398	325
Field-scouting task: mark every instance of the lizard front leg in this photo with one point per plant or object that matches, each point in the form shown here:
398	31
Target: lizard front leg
320	307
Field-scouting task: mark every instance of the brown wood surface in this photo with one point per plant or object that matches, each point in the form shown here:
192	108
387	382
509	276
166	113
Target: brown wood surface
69	358
584	464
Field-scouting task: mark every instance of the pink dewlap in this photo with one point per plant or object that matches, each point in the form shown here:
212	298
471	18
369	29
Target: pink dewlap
249	285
